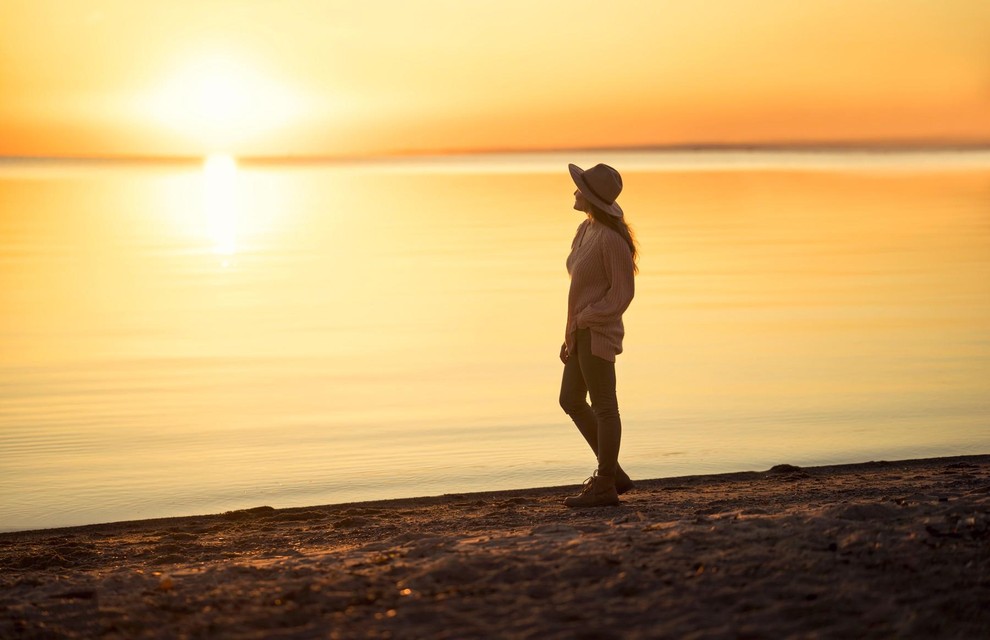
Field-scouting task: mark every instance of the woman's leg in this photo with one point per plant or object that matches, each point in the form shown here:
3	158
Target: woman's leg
599	378
574	401
584	372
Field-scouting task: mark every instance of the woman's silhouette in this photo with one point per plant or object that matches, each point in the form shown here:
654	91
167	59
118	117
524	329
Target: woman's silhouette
601	264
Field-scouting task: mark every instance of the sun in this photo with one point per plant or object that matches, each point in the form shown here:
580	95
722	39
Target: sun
222	102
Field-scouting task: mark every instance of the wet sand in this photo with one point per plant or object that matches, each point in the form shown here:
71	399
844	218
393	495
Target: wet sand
880	549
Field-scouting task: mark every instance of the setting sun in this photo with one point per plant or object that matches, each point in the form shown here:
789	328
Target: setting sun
219	101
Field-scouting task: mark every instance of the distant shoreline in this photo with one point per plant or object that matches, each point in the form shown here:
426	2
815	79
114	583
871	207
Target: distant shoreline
916	147
666	159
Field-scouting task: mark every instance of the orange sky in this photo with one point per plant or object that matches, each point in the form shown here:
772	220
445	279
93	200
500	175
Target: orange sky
305	77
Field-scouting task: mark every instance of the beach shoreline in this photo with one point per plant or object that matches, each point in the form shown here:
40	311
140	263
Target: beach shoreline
875	549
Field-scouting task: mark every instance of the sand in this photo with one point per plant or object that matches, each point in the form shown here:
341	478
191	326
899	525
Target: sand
881	549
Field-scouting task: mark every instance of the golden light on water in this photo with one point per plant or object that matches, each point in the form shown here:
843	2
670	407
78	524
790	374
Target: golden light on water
220	202
843	313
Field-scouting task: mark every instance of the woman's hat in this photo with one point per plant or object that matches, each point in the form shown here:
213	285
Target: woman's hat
601	185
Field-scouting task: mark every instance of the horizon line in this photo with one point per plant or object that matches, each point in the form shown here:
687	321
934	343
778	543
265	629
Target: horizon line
907	146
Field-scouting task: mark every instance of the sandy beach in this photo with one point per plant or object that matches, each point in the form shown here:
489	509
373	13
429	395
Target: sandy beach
879	549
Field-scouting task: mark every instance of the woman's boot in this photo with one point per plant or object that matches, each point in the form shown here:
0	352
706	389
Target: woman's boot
598	491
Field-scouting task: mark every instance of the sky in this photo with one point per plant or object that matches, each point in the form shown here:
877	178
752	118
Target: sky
331	78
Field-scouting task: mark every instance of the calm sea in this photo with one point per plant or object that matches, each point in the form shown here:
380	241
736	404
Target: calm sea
192	339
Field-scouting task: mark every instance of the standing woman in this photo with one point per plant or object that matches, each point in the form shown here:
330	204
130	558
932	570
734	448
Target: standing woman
601	264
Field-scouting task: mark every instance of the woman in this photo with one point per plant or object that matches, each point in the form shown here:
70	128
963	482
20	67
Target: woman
601	264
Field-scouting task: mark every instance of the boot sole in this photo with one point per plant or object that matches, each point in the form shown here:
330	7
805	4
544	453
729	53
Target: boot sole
574	503
592	506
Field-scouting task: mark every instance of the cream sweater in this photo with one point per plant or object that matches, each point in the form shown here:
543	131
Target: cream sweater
602	286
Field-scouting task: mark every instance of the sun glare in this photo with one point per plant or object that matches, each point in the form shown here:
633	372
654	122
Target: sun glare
220	202
220	102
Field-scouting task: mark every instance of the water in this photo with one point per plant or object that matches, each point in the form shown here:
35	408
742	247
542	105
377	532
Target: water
186	339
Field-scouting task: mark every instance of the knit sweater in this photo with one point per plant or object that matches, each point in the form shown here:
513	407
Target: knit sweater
602	286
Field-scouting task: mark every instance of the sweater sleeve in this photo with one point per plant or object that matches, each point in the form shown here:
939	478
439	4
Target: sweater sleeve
618	264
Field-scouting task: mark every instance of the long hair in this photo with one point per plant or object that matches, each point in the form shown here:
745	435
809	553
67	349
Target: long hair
619	226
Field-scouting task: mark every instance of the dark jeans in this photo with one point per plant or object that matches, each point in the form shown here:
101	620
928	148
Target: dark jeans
586	374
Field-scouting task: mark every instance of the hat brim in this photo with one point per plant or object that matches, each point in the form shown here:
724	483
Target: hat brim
577	175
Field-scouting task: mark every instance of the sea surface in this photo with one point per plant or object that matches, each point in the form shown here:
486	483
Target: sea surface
182	339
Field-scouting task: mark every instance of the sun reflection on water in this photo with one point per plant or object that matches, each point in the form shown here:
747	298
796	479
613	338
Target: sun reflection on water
220	202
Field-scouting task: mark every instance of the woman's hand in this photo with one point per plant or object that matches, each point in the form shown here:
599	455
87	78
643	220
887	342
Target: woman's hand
563	353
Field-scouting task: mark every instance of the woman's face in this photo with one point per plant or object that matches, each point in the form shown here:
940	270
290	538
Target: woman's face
580	204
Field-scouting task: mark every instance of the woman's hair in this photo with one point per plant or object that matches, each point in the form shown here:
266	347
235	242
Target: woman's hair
619	226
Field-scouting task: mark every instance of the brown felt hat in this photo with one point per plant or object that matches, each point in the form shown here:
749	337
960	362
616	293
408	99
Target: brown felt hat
601	185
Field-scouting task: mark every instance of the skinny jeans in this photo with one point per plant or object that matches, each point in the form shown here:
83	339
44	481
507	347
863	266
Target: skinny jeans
586	375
